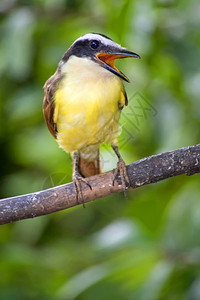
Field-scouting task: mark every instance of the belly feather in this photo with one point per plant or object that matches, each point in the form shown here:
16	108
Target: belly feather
88	116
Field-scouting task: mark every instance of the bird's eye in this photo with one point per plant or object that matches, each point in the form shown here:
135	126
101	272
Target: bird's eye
94	44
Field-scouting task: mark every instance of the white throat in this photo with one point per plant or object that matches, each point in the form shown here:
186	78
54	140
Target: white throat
85	68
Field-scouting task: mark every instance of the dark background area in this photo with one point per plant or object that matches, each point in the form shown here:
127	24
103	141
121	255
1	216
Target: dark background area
144	247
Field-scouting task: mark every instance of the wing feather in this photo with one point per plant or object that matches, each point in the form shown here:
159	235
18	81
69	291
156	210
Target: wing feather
49	104
123	101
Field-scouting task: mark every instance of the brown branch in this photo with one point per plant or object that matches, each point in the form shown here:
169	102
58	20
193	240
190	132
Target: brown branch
145	171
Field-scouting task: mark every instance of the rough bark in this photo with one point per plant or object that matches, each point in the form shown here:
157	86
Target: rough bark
145	171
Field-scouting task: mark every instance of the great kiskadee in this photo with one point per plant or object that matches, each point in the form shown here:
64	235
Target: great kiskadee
82	104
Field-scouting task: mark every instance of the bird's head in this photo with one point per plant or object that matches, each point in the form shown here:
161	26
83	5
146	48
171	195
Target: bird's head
101	49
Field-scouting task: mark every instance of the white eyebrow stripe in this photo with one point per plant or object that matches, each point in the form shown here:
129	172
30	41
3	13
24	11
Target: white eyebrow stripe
103	40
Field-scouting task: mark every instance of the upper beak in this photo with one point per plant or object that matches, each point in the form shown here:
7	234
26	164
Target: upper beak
109	58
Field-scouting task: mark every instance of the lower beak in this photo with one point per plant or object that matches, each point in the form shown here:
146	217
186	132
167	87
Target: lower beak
108	60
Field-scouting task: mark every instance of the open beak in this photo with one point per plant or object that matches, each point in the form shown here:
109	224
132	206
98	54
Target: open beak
109	58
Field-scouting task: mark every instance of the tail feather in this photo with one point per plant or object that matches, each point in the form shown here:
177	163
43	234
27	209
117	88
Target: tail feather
89	168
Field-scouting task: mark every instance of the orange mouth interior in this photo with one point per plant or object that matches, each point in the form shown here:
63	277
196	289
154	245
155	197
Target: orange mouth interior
109	59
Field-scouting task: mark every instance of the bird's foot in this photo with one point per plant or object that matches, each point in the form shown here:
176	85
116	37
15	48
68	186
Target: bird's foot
121	169
77	179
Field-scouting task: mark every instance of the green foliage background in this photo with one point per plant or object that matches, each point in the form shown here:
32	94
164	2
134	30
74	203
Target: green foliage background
146	247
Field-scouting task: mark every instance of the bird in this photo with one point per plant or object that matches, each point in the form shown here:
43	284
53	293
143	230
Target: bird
82	105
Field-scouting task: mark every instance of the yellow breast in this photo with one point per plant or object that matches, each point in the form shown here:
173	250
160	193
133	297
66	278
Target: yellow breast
86	105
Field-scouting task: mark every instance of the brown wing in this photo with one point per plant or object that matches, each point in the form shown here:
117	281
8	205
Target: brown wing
49	104
126	98
123	101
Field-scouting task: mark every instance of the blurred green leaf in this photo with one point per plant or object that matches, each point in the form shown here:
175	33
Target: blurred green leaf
143	247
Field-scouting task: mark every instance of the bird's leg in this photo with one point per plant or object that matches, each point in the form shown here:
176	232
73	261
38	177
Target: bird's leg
121	169
77	178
